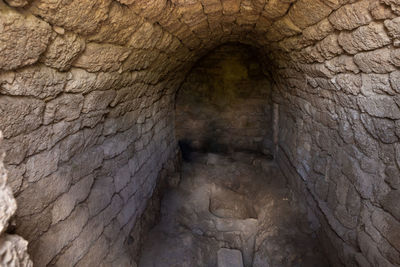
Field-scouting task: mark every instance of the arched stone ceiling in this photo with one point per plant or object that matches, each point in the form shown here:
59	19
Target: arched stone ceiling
120	35
87	92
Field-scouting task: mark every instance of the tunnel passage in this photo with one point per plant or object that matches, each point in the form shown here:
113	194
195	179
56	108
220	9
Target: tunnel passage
225	104
87	96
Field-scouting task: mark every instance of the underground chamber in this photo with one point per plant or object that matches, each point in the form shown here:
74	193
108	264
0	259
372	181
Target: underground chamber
199	133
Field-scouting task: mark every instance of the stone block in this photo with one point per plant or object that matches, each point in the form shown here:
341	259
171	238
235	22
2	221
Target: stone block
82	17
388	226
382	106
305	13
229	258
65	204
98	100
20	115
100	195
102	57
373	84
364	38
378	61
390	203
395	81
58	236
63	50
37	81
66	106
122	178
121	24
22	38
230	7
349	83
40	165
351	16
318	31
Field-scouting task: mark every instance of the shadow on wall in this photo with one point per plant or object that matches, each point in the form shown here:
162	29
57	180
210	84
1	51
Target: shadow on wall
209	144
225	104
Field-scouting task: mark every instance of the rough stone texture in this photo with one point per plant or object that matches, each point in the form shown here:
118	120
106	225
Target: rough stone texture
239	201
63	50
13	248
229	257
22	38
225	104
338	128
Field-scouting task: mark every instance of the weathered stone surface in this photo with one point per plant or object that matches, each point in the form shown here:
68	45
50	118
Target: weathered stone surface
214	113
82	17
66	106
229	257
99	57
22	38
395	57
318	31
42	164
393	27
307	12
390	203
65	204
376	84
380	11
13	248
100	195
14	251
382	106
121	23
146	37
388	226
18	3
63	50
394	4
342	64
20	116
33	81
349	83
364	38
82	82
351	16
230	7
378	61
97	100
59	235
329	47
275	9
395	80
8	204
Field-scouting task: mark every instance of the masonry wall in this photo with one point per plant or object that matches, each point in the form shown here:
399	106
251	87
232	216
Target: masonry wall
338	144
86	137
225	103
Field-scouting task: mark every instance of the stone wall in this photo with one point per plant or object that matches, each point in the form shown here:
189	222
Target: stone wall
339	115
87	91
86	136
225	103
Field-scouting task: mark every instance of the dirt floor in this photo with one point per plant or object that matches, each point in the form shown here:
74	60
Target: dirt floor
240	201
